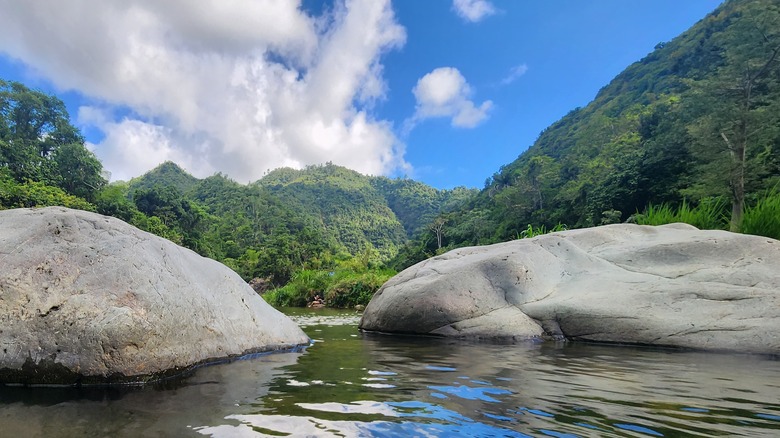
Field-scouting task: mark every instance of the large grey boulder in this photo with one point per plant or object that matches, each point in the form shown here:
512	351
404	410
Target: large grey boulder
86	298
672	285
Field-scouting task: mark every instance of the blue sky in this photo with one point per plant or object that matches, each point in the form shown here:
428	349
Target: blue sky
442	91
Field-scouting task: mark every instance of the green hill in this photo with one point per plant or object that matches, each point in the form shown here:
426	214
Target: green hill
344	202
697	118
167	174
290	218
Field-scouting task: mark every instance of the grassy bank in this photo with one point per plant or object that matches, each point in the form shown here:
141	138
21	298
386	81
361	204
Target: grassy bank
343	287
761	217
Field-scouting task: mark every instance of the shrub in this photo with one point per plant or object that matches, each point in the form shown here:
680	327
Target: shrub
287	296
710	214
301	289
37	194
538	231
355	288
763	219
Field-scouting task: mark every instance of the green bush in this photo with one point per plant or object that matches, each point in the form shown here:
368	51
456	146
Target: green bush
37	194
301	289
657	215
538	231
710	214
763	219
355	288
287	296
344	287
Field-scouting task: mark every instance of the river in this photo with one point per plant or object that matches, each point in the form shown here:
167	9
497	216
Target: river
354	384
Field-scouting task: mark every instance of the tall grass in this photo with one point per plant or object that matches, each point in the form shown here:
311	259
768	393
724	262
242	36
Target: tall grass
301	289
763	218
710	214
538	231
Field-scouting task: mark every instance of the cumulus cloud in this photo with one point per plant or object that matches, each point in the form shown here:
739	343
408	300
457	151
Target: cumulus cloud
444	92
473	10
238	86
514	73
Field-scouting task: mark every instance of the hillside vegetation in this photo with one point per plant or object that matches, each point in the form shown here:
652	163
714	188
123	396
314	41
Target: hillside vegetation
696	120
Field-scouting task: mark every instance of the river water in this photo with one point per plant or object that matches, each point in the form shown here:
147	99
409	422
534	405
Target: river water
353	384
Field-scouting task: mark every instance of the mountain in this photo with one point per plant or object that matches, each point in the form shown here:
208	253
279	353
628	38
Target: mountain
344	202
167	174
291	218
364	211
698	118
416	205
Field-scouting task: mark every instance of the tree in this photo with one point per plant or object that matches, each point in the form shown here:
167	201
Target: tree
78	171
438	229
113	201
38	143
742	109
541	168
185	217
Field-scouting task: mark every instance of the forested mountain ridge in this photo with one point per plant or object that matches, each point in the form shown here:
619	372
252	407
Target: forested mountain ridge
344	202
166	174
697	118
333	191
290	218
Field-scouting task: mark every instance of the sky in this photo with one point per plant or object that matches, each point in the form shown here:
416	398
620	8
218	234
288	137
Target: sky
441	91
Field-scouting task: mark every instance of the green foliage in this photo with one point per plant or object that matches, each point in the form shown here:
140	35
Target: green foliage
36	194
737	105
300	290
530	231
167	174
346	204
658	215
763	218
416	205
709	214
38	143
350	289
78	171
113	201
346	286
155	225
184	218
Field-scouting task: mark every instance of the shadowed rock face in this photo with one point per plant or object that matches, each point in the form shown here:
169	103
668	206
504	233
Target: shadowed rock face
673	285
86	298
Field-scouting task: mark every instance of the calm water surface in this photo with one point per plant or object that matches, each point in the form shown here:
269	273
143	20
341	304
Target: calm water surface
354	384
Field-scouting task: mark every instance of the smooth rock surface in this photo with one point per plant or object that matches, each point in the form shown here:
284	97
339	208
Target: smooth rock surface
86	298
672	285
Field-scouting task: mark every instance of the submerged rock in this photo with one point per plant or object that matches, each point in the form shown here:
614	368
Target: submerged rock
86	298
672	285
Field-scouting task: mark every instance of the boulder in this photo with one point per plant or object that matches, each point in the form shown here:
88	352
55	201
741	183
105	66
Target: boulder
86	298
671	285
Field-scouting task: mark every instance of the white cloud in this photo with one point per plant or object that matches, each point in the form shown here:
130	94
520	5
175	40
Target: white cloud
473	10
444	92
238	86
514	73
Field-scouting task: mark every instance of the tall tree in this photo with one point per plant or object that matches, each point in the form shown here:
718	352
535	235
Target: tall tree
78	171
38	143
437	227
742	97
